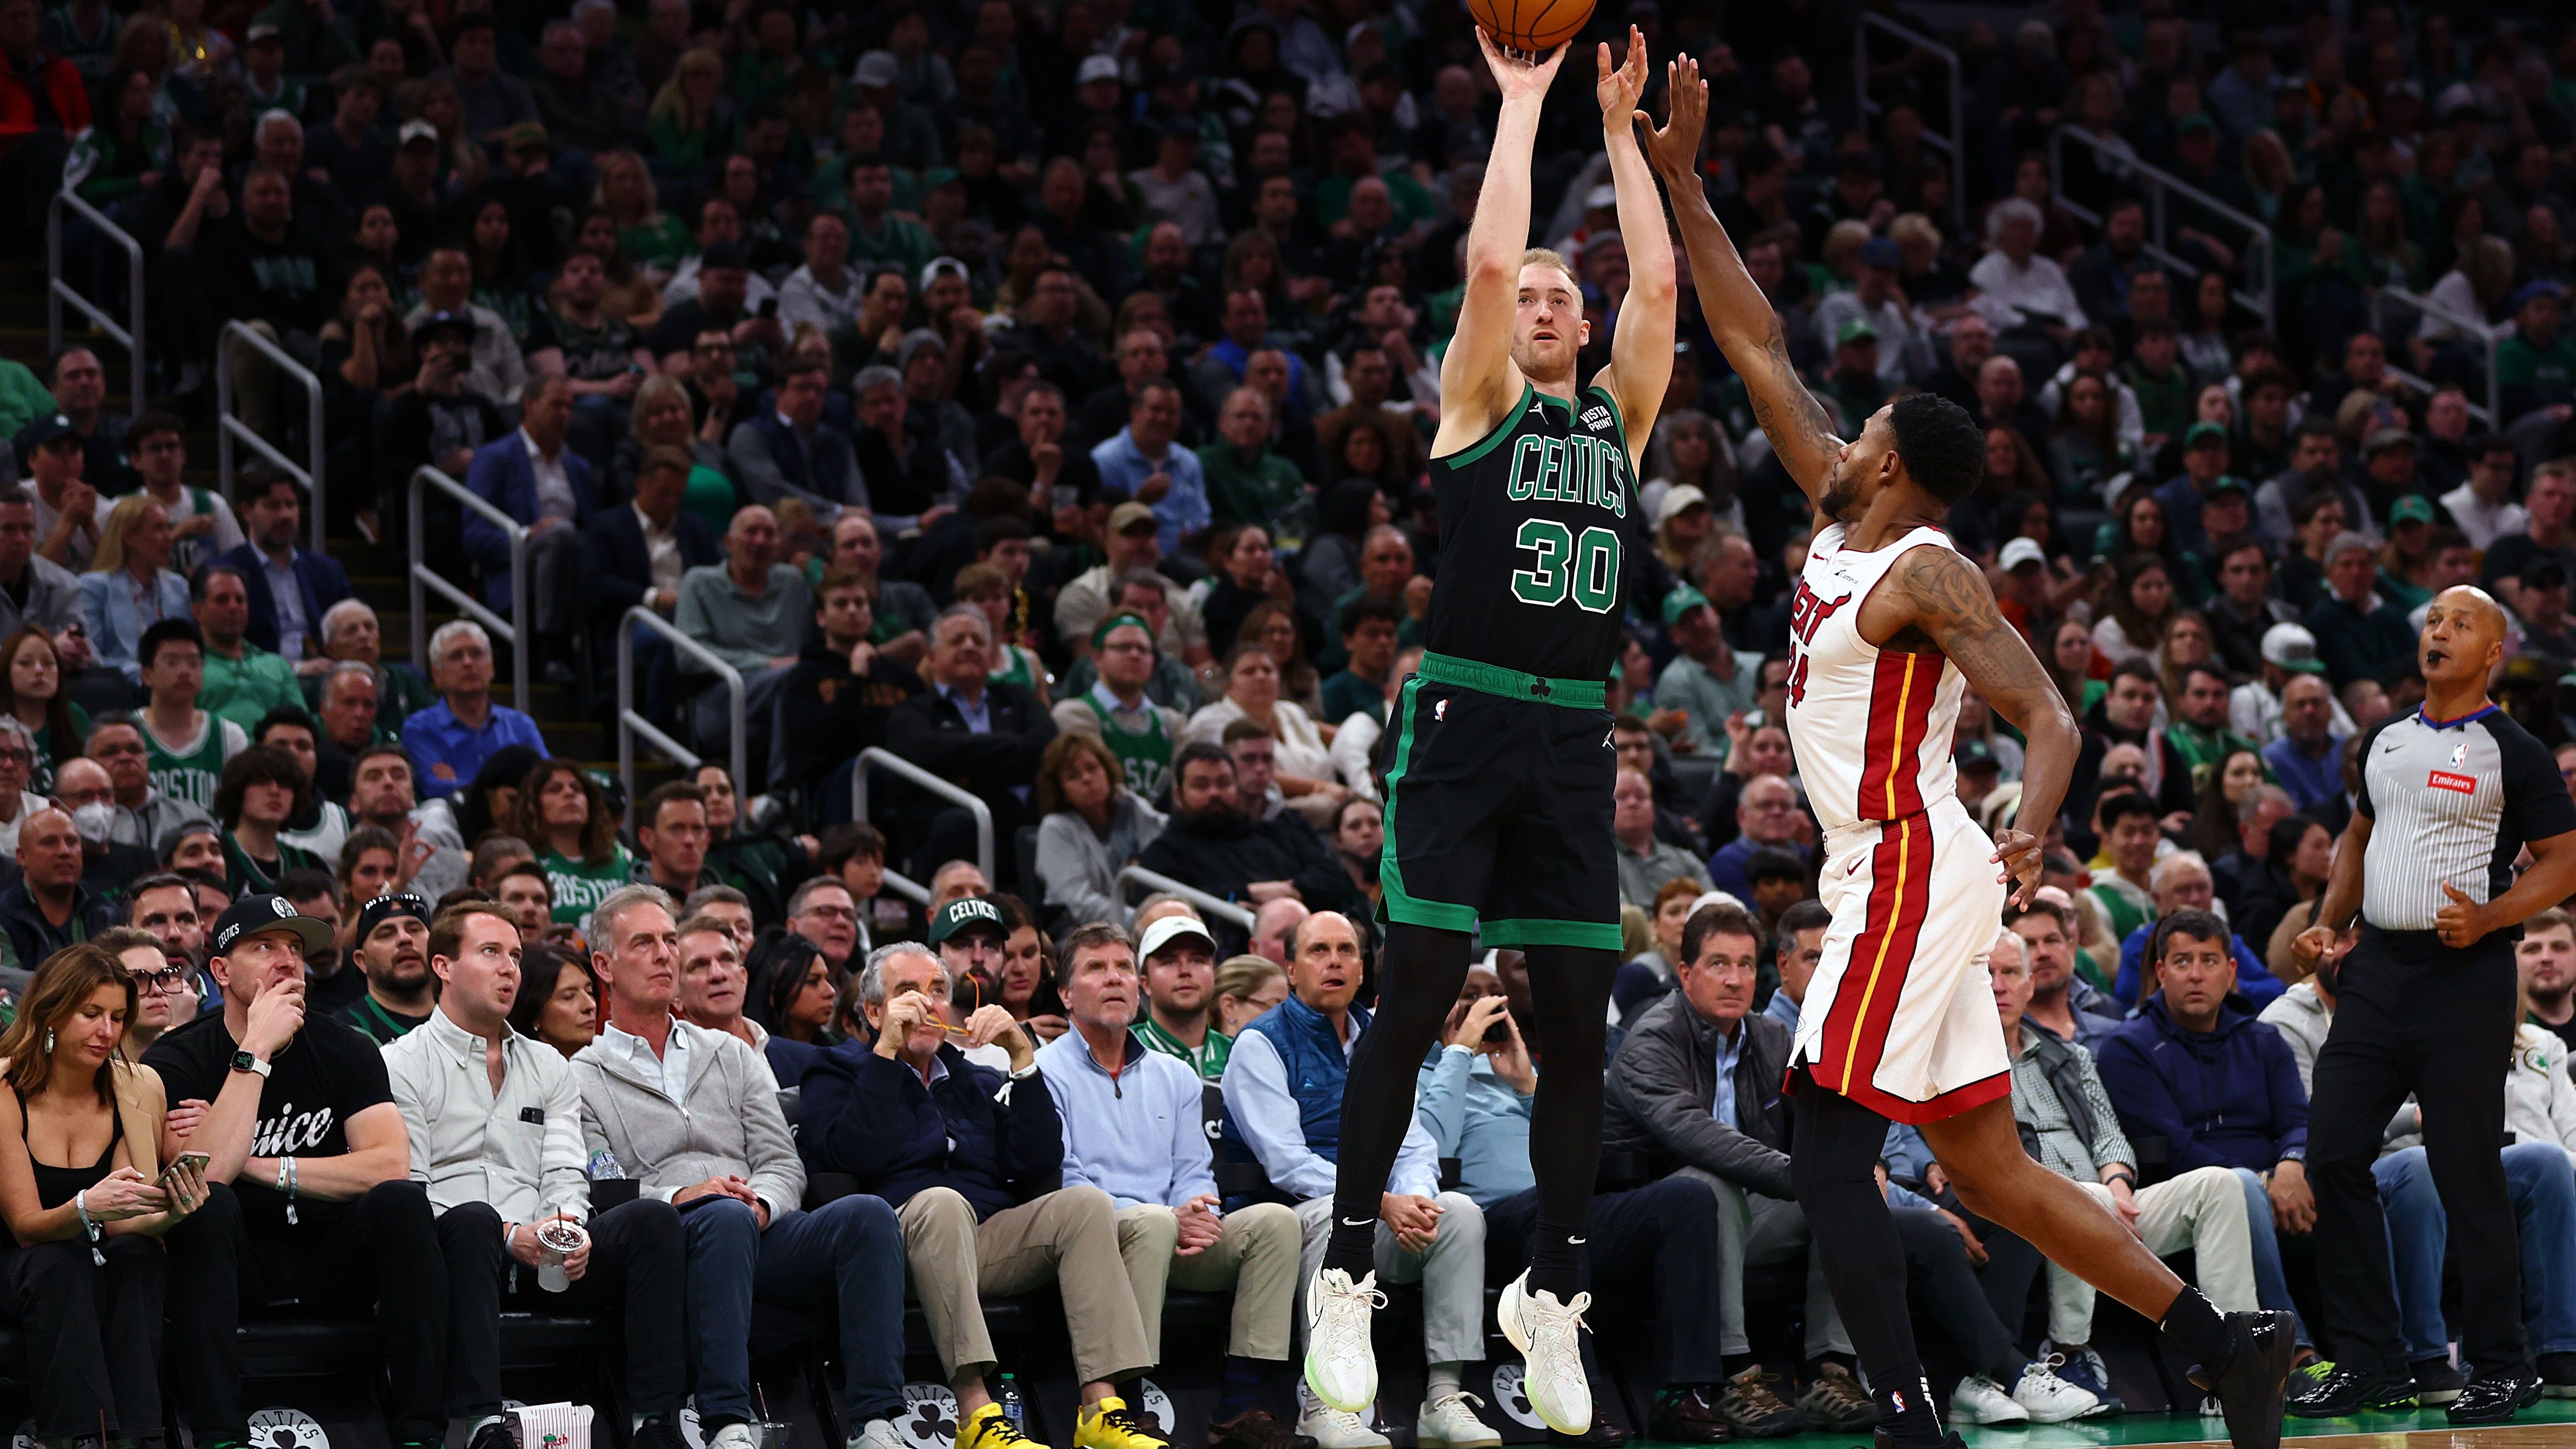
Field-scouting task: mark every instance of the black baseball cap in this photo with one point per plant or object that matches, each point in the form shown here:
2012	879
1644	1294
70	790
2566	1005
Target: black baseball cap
974	913
385	908
251	915
48	428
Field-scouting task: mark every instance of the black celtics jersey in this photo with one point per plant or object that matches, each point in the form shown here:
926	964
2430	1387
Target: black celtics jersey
1534	525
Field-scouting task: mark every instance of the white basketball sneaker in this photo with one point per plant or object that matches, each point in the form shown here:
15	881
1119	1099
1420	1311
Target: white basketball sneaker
1450	1422
2050	1399
1980	1400
1544	1330
1341	1367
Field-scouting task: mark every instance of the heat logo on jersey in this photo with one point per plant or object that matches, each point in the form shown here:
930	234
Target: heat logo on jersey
1807	614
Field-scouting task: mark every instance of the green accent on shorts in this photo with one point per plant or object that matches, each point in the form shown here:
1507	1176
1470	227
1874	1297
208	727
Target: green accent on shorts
1512	684
1540	931
1399	905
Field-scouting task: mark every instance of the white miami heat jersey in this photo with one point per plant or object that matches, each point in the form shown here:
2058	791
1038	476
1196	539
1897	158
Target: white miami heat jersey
1870	727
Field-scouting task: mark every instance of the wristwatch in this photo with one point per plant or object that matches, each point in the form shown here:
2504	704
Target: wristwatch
245	1062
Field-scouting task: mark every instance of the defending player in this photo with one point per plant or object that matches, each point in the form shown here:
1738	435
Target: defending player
1888	623
1499	772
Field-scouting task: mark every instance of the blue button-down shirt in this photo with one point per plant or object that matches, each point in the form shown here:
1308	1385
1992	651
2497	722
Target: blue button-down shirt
446	756
1182	510
115	610
2311	782
1730	1050
977	712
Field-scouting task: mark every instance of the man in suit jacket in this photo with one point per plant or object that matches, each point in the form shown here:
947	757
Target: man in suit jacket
546	487
290	588
635	554
983	733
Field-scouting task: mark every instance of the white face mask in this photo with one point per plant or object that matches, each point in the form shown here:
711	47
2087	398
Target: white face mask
94	821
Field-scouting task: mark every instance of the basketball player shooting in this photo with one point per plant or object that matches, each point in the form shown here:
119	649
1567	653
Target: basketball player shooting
1500	766
1888	624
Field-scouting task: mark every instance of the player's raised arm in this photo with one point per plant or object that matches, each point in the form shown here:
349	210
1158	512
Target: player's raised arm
1946	597
1478	382
1738	315
1641	351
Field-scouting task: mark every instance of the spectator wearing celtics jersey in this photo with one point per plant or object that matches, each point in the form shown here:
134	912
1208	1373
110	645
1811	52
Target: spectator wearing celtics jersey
1094	825
1117	711
186	747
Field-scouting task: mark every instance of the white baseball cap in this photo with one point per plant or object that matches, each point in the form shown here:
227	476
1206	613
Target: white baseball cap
1676	500
1163	932
2022	551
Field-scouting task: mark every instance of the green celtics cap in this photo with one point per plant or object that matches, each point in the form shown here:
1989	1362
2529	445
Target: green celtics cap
972	913
1681	601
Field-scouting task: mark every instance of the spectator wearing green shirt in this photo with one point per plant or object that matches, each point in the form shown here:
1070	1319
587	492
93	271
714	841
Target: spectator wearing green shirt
562	811
1369	629
243	681
1709	681
1180	995
2199	729
876	233
2536	366
1246	481
23	397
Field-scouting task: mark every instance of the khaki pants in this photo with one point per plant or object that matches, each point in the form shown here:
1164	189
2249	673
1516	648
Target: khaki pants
1255	1258
1754	1231
1451	1272
1070	1235
2203	1210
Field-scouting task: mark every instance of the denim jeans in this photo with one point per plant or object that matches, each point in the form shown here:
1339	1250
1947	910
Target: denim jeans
849	1248
2543	1186
2271	1285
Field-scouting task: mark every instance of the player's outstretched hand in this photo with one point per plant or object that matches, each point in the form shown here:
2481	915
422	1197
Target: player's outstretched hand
1674	150
1517	75
1622	86
2018	851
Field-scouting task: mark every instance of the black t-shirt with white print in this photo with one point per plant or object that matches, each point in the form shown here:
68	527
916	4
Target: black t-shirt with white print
329	1073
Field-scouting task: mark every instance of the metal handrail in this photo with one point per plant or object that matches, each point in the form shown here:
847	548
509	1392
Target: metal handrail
424	578
57	291
630	724
877	758
1205	904
2258	236
228	428
2491	337
1955	143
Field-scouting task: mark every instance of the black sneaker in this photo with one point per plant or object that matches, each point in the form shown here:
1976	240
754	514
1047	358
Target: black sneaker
495	1435
658	1431
2437	1382
2557	1375
2349	1390
2495	1398
2249	1389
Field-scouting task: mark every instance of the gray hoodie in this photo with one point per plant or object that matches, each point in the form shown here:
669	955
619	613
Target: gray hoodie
727	1122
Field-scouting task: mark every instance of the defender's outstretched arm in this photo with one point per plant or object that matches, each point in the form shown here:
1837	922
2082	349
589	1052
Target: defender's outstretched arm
1641	350
1738	315
1946	597
1478	382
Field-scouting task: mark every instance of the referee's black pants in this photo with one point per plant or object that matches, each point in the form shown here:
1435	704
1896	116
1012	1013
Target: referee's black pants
2416	1016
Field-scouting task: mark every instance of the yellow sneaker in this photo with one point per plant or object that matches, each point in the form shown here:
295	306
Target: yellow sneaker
1110	1424
987	1429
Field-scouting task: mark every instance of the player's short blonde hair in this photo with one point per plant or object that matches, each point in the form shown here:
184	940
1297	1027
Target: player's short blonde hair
1549	256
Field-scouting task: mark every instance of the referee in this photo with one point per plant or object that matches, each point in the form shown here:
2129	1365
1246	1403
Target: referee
2449	796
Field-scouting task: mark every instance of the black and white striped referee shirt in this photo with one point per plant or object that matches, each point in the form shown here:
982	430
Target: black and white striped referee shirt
2451	801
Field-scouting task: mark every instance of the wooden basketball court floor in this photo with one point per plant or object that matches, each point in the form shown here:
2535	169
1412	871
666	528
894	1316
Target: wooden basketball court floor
2550	1424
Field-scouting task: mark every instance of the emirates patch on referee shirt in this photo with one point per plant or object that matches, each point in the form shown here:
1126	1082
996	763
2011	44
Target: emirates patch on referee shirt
2448	780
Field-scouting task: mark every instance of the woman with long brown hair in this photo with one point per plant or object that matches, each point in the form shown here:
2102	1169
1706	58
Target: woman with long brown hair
31	689
564	814
80	1128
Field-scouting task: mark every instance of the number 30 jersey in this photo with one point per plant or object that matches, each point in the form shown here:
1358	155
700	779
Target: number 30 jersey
1870	727
1534	518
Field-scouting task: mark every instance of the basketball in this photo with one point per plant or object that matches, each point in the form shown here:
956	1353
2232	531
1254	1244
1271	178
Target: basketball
1532	27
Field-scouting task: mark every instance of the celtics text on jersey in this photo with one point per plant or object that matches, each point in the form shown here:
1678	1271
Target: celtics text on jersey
1535	548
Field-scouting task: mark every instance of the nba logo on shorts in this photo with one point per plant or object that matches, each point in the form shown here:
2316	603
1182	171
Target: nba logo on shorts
1440	709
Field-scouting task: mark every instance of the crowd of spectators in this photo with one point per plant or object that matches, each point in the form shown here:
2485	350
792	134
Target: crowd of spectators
1040	391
